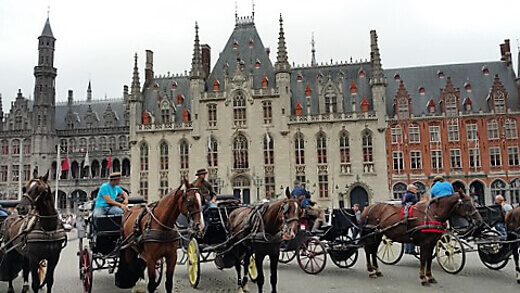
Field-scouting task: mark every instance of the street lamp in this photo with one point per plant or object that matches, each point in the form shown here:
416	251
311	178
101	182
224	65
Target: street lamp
259	181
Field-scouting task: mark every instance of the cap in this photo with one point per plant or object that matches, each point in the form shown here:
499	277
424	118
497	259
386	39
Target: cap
201	171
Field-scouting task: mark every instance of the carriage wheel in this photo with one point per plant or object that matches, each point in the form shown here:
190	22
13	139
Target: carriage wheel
42	273
193	263
87	270
159	268
495	249
287	256
390	252
341	245
311	256
253	273
450	253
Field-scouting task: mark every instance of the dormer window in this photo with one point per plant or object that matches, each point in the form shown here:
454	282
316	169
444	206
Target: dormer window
180	99
362	73
235	44
422	91
440	74
216	85
299	77
174	85
308	91
431	107
186	115
353	88
155	86
265	81
467	86
251	44
257	64
467	104
365	105
298	109
397	77
485	70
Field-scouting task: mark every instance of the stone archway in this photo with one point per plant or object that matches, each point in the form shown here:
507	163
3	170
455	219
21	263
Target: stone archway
364	188
78	197
476	191
359	195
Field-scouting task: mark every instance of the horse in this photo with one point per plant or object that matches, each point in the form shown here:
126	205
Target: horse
152	235
37	236
512	220
423	228
260	230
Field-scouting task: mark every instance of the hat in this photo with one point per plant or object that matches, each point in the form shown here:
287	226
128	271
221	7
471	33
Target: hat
438	178
201	171
115	175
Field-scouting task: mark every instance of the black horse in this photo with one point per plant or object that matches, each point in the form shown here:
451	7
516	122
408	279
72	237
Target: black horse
37	236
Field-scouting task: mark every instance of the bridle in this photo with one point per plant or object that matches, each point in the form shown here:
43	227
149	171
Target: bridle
33	201
191	212
285	208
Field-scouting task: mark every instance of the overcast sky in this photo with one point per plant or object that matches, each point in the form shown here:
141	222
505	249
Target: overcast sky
97	39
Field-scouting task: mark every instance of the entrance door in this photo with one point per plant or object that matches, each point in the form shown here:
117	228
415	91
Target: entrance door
246	196
360	196
476	191
237	193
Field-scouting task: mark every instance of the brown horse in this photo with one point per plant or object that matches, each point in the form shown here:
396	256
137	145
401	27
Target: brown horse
513	234
423	228
260	230
153	236
36	236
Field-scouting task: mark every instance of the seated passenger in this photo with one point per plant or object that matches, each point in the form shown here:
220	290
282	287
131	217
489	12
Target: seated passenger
441	188
311	208
111	199
410	198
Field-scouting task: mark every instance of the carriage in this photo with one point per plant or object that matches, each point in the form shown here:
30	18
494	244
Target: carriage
99	243
311	248
493	250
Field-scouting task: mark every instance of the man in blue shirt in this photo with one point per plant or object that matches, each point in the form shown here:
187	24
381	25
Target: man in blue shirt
111	199
441	187
311	208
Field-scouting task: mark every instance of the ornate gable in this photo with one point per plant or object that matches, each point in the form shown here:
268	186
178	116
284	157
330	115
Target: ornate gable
402	102
450	99
497	98
91	118
109	117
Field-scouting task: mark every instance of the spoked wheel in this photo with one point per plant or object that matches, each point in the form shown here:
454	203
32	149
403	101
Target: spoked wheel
311	256
390	252
450	253
253	273
343	253
159	268
287	256
193	263
42	273
494	256
87	270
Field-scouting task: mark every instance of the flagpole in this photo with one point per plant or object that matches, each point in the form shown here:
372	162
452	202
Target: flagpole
58	174
20	174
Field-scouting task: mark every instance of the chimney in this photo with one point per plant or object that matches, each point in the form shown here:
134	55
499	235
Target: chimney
148	71
268	51
206	59
70	99
125	93
505	53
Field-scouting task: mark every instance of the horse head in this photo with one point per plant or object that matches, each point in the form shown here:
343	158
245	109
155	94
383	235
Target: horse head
290	213
36	194
466	209
190	205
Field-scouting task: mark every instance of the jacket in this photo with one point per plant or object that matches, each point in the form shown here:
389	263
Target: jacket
409	197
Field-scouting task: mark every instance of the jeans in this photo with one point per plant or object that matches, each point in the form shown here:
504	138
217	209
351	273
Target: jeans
110	210
501	228
409	248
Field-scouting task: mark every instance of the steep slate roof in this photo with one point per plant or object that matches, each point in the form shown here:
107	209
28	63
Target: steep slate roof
80	109
163	88
428	78
243	34
343	74
47	31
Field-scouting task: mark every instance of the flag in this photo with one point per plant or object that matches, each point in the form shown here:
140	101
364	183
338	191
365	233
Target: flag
109	163
87	160
58	166
65	164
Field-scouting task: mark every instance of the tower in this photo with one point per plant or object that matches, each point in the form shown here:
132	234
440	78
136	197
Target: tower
378	81
196	82
135	103
283	77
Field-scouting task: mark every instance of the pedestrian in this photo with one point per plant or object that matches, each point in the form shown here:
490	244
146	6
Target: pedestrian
441	187
357	213
410	198
501	226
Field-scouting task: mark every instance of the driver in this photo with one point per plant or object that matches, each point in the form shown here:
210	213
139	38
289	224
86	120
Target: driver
205	188
111	199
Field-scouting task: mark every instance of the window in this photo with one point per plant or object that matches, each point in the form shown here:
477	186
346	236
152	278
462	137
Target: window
344	148
5	147
83	144
492	129
515	191
323	182
472	131
513	156
103	144
164	156
212	115
16	172
474	157
451	105
112	143
239	110
240	153
163	186
453	132
415	160
301	177
18	120
494	157
184	155
144	157
268	112
299	149
402	109
500	102
16	147
27	147
321	147
331	103
72	145
268	150
435	135
3	173
368	156
498	187
436	156
92	144
165	113
270	187
122	142
398	190
398	161
143	188
26	172
510	128
455	159
397	136
414	133
212	152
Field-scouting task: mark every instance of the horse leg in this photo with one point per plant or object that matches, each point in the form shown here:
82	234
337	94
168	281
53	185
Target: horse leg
49	276
424	257
150	265
429	275
259	260
247	261
239	271
368	252
515	248
34	265
273	261
26	270
171	261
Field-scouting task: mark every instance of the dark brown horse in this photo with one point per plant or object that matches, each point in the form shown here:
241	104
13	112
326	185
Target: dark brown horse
513	234
260	230
154	237
423	228
37	236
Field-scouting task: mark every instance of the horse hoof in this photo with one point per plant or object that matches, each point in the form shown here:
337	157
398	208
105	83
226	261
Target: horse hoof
432	281
379	274
25	289
240	290
425	283
245	288
373	276
10	290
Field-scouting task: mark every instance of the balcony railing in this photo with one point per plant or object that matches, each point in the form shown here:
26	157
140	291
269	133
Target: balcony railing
165	126
333	117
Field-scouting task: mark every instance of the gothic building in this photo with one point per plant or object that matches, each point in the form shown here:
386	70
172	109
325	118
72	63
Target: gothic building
32	129
257	127
459	121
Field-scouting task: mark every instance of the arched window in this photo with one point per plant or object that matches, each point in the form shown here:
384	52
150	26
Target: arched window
299	148
83	145
510	128
239	110
398	190
92	144
27	146
451	105
184	154
122	142
492	129
499	101
344	148
103	144
144	157
368	155
212	152
116	165
515	191
164	156
125	172
268	149
498	187
112	143
94	169
331	103
321	148
165	112
74	169
240	152
5	147
72	145
16	147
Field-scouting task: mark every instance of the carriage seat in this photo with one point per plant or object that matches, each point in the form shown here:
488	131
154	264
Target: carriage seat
108	225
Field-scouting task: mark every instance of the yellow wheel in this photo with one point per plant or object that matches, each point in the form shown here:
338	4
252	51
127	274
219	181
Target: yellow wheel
253	273
42	272
450	253
389	252
193	262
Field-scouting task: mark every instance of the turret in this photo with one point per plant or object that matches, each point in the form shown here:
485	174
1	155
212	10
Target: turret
283	78
282	58
196	62
134	102
148	69
196	82
377	82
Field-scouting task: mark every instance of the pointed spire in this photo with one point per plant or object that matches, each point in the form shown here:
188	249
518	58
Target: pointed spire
47	31
136	84
378	77
282	58
313	51
1	107
196	62
89	92
518	60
